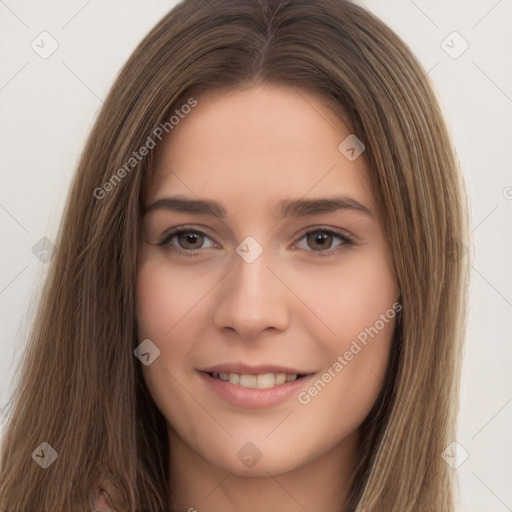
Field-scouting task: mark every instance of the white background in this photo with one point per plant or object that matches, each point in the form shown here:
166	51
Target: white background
47	108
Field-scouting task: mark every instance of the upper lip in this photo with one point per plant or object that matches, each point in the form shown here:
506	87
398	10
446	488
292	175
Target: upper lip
247	369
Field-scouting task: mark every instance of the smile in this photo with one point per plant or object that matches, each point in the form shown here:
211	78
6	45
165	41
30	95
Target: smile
259	381
255	390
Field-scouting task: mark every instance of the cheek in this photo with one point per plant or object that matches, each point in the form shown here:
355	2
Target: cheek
171	307
353	297
358	306
163	298
369	328
164	306
348	386
155	304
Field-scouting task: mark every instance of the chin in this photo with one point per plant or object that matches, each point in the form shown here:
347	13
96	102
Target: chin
264	462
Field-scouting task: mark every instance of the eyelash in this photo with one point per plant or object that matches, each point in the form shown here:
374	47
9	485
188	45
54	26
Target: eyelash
167	237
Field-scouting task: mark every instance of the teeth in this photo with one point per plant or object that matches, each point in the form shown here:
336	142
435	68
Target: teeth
266	380
280	378
248	381
261	381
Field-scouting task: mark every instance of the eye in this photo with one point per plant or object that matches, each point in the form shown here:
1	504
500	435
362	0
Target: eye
190	241
323	239
190	238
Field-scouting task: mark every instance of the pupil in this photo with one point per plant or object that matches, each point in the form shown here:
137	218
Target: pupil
321	237
190	238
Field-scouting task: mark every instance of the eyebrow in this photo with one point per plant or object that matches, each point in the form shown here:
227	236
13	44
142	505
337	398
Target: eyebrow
287	207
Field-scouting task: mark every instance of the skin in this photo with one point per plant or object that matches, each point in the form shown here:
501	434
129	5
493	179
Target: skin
248	150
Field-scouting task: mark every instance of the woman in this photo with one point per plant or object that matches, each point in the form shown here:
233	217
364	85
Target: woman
250	373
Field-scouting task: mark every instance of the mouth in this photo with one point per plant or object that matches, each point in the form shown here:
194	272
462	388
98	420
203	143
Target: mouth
254	387
257	381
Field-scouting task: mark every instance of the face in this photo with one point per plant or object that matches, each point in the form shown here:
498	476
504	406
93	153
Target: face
273	314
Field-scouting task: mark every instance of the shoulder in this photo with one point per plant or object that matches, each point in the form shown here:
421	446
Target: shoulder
101	502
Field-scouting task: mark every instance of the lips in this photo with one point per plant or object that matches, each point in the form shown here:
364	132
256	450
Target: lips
245	394
254	377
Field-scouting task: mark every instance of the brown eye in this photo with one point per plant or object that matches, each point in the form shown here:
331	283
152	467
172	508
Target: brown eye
190	240
186	240
319	240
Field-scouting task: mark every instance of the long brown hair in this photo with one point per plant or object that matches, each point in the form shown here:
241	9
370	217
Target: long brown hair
80	387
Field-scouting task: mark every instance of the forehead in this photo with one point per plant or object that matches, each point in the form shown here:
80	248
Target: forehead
256	145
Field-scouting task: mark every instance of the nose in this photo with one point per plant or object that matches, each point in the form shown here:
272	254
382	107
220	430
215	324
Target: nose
253	299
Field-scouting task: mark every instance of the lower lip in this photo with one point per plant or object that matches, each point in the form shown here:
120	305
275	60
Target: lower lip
251	398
